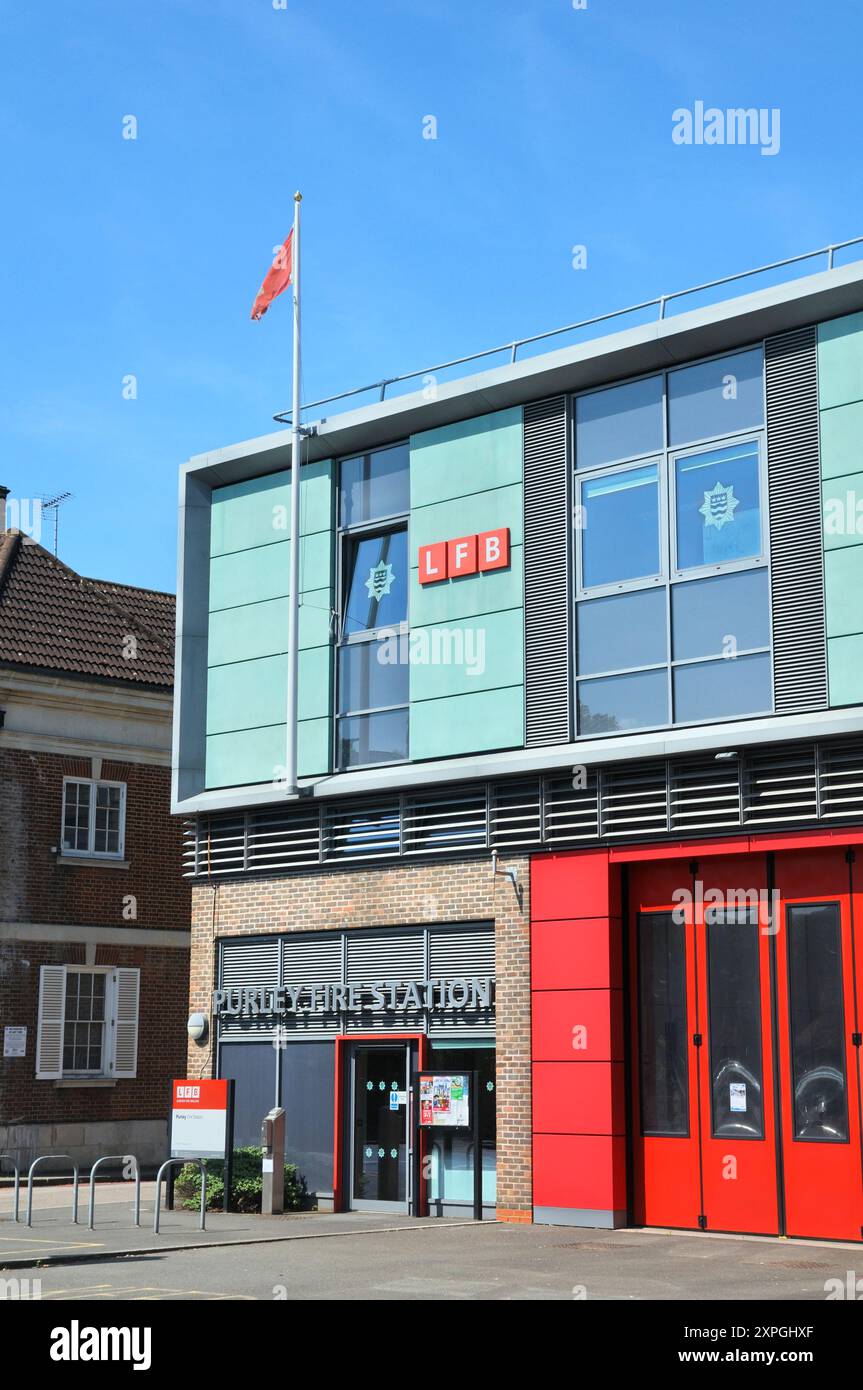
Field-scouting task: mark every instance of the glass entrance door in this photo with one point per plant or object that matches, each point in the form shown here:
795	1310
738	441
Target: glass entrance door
379	1128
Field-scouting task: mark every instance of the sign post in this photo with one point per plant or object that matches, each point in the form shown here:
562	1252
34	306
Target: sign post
449	1101
202	1123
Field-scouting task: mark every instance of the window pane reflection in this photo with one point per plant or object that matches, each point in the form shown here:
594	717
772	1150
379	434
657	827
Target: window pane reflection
620	535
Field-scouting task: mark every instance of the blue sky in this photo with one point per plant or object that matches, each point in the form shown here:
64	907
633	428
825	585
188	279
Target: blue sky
553	130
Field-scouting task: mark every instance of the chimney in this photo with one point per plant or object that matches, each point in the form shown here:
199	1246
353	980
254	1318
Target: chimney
4	493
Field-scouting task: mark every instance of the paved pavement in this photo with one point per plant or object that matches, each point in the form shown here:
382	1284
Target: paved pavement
362	1255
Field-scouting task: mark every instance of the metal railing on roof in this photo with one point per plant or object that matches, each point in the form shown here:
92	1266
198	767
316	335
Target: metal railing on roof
661	303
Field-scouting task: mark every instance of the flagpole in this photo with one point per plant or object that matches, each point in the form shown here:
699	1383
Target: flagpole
294	577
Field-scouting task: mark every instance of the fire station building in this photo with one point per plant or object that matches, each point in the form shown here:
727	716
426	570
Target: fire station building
581	774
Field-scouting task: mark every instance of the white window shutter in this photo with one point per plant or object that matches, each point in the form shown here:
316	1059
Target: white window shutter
49	1030
127	987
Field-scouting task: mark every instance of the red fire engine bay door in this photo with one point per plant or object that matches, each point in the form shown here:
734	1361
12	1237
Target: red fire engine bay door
818	1023
704	1112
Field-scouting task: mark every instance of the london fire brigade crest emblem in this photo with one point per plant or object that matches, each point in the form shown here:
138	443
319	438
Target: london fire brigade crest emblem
380	581
719	506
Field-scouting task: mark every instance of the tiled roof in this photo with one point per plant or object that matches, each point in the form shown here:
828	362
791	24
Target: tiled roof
56	620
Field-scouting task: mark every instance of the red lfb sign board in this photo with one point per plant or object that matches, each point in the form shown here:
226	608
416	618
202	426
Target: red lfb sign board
465	555
200	1095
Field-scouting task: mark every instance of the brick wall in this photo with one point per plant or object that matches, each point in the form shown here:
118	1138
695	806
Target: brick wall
34	887
161	1035
397	895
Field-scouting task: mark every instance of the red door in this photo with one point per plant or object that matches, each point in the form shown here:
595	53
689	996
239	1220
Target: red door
666	1115
704	1121
818	1012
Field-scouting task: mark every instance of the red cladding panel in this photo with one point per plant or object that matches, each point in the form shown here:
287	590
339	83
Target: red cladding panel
432	563
578	1098
587	1172
572	885
577	1025
585	954
461	556
494	549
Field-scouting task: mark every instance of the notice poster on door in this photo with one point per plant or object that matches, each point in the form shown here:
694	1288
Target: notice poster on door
738	1097
445	1100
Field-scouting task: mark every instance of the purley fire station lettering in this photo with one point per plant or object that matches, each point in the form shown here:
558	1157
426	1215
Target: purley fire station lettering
476	992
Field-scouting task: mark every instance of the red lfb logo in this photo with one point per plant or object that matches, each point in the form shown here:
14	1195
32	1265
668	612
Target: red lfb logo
191	1094
466	555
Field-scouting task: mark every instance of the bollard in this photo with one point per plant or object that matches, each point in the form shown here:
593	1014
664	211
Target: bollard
5	1158
91	1206
41	1159
167	1164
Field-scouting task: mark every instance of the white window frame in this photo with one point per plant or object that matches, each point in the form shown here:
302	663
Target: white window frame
122	996
87	1073
90	852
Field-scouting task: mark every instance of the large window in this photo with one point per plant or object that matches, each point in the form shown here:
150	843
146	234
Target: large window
94	818
673	611
372	671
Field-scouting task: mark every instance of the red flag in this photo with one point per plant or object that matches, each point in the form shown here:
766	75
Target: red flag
277	278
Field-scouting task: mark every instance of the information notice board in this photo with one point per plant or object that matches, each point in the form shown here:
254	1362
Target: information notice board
445	1100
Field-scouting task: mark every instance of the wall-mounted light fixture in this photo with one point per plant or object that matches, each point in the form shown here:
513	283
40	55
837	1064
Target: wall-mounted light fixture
196	1027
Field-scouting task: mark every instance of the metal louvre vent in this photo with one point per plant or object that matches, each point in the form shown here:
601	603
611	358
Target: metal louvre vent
311	960
547	610
771	786
704	796
572	807
634	802
840	781
455	955
515	814
780	786
247	963
361	832
390	956
283	840
439	823
796	544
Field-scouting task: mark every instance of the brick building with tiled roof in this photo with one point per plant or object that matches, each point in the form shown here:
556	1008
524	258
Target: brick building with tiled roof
94	912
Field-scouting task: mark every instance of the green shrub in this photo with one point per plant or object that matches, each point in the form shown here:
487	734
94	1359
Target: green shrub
246	1186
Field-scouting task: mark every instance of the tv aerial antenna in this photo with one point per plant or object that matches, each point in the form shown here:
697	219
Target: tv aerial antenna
53	503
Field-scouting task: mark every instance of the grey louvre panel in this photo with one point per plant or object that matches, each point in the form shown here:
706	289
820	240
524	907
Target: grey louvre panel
840	780
780	786
796	546
222	847
704	796
248	962
312	960
283	839
440	823
356	832
571	812
392	956
461	955
515	814
634	801
767	787
547	609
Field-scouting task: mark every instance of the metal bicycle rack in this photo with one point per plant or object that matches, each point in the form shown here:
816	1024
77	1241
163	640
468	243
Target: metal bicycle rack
112	1158
5	1158
41	1159
167	1164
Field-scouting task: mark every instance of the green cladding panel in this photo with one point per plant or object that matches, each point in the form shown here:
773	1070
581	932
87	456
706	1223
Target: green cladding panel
248	627
840	400
467	634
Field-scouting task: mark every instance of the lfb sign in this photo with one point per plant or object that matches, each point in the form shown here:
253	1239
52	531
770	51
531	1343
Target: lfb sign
467	555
